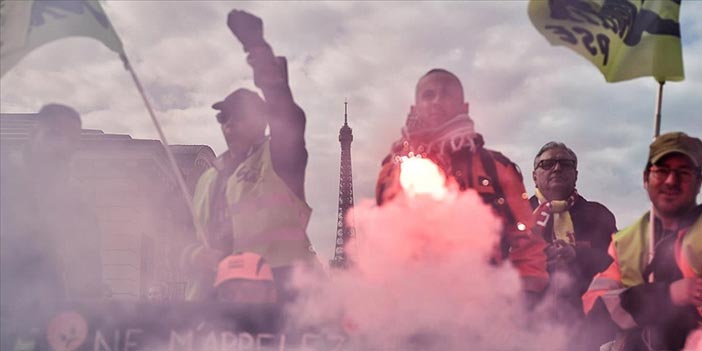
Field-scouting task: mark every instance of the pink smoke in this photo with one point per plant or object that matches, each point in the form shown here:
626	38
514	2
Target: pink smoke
422	280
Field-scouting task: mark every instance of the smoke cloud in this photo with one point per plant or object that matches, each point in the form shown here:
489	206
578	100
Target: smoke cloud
422	281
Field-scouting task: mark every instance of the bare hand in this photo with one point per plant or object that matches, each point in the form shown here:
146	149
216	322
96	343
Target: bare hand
247	28
687	291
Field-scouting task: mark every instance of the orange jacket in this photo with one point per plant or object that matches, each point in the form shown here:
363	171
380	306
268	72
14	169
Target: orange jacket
499	182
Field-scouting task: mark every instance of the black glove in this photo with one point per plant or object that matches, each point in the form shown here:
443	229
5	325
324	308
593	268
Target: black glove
559	254
247	28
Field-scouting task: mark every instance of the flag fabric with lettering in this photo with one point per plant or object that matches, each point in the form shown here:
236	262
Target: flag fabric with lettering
625	39
26	25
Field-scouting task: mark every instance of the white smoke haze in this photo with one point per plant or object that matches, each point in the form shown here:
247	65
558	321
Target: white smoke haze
422	281
694	340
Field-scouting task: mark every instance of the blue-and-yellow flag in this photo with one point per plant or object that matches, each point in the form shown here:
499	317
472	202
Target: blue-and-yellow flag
625	39
26	25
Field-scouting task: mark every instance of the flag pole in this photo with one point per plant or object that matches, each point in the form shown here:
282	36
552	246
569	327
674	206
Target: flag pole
199	229
652	219
657	117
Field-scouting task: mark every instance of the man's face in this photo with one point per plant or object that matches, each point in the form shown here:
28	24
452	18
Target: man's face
555	174
242	125
673	184
439	97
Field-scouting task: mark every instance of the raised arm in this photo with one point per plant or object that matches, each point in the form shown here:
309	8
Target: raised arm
285	118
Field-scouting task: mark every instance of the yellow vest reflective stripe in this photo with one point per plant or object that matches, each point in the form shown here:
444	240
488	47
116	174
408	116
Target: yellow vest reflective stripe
632	243
266	216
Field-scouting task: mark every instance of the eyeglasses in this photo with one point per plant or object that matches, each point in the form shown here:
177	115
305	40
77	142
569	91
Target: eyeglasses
551	164
660	174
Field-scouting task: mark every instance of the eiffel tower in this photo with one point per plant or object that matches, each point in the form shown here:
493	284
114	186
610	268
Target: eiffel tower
344	230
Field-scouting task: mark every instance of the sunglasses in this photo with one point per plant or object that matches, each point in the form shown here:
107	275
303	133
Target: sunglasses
551	164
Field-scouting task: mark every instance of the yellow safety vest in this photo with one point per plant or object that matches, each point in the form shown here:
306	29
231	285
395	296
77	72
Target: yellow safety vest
267	217
631	245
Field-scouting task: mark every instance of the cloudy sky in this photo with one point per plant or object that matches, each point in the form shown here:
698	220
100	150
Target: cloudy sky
522	92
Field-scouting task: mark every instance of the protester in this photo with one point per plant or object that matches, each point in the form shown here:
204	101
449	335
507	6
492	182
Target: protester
577	231
49	236
253	199
245	278
655	305
438	127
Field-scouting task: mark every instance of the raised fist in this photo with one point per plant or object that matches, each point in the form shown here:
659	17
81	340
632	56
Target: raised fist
247	28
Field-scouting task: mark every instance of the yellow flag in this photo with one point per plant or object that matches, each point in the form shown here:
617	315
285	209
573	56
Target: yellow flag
625	39
26	25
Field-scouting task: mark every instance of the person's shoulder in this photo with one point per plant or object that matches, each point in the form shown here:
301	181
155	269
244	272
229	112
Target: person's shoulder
500	157
632	230
209	172
205	179
504	165
594	206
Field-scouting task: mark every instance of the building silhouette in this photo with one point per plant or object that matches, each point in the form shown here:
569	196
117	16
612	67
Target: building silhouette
345	229
143	219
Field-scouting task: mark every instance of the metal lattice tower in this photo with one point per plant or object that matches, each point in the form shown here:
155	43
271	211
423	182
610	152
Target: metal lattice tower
344	229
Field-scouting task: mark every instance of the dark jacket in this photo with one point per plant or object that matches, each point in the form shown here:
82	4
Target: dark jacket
594	225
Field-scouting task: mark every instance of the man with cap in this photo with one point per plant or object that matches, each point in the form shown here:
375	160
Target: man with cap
655	304
439	128
252	199
578	231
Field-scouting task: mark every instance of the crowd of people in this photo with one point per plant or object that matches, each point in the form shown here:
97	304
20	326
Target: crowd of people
251	203
606	286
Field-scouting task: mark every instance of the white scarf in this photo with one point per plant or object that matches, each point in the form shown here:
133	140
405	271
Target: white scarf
451	136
